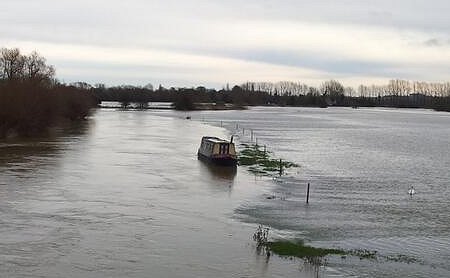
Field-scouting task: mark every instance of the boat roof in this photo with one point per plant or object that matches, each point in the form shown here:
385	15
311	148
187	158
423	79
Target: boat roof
215	139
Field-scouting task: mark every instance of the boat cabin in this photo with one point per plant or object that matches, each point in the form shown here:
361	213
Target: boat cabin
218	151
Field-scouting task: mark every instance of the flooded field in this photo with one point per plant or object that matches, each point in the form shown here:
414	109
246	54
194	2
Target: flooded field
360	164
125	196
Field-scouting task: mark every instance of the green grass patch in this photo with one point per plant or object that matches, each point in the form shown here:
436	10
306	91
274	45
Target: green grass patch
299	250
260	160
247	161
314	255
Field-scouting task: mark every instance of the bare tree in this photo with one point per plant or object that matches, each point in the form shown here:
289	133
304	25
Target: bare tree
11	63
349	92
36	68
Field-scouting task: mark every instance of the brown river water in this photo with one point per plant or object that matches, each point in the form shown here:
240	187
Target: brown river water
123	195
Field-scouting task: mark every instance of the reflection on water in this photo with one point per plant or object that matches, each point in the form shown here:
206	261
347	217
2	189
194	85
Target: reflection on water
223	177
219	172
22	155
14	152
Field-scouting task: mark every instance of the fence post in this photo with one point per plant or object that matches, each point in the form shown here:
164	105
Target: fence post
281	167
307	194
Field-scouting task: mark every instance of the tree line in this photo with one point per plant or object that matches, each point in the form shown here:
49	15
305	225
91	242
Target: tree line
397	93
32	100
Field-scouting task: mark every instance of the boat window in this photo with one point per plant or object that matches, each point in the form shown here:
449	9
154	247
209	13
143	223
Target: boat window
224	148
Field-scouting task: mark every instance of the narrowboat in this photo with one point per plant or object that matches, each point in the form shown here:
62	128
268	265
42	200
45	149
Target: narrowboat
217	151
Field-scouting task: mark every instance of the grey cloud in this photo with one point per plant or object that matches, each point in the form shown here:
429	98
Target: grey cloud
189	26
432	42
436	42
166	15
317	61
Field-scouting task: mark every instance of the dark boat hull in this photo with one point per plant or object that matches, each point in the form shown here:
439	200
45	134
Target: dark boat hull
222	161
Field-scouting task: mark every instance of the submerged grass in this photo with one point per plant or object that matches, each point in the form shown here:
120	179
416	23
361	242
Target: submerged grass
314	255
291	249
299	250
317	256
402	259
261	161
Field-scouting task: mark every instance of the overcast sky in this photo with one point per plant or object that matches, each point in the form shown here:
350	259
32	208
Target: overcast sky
211	43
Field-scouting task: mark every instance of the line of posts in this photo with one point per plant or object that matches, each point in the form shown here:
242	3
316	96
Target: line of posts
281	161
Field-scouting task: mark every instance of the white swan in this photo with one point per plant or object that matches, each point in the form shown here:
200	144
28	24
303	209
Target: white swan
411	191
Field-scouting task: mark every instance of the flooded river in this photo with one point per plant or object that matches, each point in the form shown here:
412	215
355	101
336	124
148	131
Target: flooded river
124	195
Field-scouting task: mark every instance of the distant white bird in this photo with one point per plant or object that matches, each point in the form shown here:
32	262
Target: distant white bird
411	191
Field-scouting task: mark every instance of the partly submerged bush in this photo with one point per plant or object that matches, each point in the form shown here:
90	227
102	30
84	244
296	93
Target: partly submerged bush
31	100
28	110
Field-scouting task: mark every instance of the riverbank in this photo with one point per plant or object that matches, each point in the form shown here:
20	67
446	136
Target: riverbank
229	106
169	106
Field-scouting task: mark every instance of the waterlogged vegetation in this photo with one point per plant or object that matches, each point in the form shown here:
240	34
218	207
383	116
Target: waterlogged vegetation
292	249
299	250
402	259
260	161
315	255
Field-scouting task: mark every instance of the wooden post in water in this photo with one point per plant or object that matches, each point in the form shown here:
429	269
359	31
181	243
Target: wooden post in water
281	167
307	194
256	142
243	131
251	133
264	150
